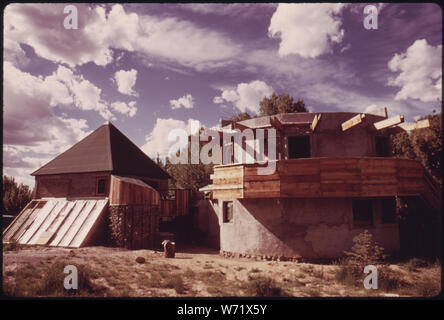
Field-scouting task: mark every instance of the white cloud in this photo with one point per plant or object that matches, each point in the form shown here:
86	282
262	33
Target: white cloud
101	31
72	88
187	101
40	26
247	96
306	29
128	109
32	133
420	70
125	81
156	142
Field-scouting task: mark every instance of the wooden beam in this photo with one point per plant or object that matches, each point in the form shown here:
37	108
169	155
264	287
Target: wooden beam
274	121
388	122
352	122
415	125
315	122
379	112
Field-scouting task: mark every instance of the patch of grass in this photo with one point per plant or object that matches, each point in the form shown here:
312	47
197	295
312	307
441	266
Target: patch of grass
414	263
313	292
346	275
390	281
319	273
189	273
427	287
175	282
48	281
264	287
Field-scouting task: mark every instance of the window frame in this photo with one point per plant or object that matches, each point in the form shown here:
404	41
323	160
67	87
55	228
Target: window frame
97	186
225	218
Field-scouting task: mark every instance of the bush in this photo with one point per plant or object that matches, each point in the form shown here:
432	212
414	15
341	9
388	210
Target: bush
364	252
176	282
264	287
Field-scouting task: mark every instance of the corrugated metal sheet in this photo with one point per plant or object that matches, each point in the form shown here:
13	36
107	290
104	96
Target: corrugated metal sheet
56	222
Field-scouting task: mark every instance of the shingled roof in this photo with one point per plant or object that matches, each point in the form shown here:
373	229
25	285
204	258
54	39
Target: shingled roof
105	149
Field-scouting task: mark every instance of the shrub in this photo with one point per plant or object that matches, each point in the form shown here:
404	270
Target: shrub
264	287
175	282
364	252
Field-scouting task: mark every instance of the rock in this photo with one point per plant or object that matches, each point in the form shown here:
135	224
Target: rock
140	260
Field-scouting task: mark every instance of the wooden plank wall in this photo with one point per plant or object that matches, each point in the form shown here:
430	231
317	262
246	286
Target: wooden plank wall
179	206
125	193
322	177
231	181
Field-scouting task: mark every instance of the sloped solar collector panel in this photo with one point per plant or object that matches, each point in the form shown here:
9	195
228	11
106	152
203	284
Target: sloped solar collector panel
56	222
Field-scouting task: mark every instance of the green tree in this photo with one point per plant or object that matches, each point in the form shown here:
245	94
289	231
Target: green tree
240	116
187	175
280	104
15	196
422	144
365	251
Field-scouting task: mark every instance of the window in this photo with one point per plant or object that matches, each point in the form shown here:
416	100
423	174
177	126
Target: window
298	147
101	187
388	210
362	212
228	211
382	147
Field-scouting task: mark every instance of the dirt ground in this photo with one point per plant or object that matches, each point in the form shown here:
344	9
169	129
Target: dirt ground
199	272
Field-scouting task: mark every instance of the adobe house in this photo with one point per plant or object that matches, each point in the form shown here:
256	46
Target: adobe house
334	178
103	189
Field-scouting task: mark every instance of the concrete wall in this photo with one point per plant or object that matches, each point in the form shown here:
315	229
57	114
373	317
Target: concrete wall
298	228
328	140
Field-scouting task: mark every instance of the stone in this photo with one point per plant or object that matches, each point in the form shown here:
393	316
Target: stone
140	260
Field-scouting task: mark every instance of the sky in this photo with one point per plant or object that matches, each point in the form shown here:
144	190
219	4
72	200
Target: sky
151	68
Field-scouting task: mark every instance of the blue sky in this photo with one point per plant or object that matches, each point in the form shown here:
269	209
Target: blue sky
150	68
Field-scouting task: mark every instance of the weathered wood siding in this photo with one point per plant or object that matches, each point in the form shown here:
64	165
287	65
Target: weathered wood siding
129	191
179	206
323	177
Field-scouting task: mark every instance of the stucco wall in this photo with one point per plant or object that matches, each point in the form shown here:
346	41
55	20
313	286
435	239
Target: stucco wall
299	228
328	140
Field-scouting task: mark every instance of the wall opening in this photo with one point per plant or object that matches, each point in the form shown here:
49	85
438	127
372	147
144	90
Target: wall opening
101	186
382	146
299	147
227	211
362	212
388	210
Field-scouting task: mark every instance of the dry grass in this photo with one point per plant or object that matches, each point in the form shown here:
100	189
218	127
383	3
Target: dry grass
110	272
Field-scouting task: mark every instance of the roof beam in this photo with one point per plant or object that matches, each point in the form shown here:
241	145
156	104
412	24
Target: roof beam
415	125
315	122
388	122
274	121
352	122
